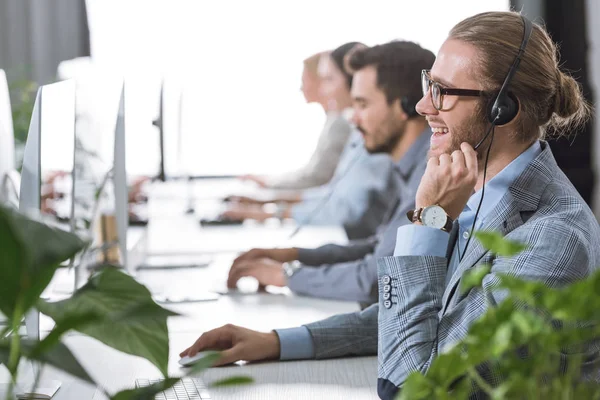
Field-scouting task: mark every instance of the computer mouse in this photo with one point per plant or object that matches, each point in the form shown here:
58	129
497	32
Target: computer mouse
188	361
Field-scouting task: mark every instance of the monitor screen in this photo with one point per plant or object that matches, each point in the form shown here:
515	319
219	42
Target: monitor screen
57	149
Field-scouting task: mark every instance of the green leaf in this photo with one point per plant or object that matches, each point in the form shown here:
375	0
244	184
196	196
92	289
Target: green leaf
31	253
448	367
58	356
4	352
494	242
70	322
233	381
416	387
473	277
130	321
146	393
502	340
13	259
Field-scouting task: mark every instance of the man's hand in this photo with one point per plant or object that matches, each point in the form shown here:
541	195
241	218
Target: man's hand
236	344
240	213
449	181
265	270
281	255
259	180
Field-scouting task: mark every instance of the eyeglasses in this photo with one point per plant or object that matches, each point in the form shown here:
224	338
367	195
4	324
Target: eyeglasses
438	91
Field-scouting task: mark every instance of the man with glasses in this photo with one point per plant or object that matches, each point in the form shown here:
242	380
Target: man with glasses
492	137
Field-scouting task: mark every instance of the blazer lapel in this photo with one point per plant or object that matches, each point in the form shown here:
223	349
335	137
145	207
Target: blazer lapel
476	251
522	196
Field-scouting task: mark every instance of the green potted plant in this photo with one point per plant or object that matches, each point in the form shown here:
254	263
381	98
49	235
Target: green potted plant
533	318
112	307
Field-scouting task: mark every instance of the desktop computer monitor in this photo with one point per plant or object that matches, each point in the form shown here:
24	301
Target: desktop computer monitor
169	129
110	198
120	182
9	177
47	174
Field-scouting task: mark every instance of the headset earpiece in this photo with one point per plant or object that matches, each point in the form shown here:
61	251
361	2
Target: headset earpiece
502	109
409	106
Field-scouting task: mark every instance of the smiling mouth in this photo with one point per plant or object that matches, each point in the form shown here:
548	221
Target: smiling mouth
439	131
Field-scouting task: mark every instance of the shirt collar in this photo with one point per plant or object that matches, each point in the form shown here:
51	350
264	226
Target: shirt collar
499	184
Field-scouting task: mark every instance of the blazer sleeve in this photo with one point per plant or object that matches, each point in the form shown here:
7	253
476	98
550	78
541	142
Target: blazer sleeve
418	324
353	334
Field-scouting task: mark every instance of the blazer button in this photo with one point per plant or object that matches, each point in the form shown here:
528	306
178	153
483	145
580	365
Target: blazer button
386	279
386	296
387	289
387	304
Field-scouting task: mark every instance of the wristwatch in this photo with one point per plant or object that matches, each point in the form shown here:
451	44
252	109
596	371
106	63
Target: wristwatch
290	268
432	216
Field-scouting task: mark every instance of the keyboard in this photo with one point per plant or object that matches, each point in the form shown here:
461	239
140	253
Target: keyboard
185	389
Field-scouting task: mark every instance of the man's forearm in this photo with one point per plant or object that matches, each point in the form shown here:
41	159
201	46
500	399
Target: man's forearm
352	281
333	253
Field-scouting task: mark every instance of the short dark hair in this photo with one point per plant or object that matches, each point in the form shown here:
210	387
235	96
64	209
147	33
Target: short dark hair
338	56
399	65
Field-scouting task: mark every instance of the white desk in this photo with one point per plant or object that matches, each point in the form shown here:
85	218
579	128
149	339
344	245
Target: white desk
349	378
353	378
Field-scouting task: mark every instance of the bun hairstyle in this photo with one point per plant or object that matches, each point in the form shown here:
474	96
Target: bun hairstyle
551	101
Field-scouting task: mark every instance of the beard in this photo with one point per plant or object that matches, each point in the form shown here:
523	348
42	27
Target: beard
387	138
470	131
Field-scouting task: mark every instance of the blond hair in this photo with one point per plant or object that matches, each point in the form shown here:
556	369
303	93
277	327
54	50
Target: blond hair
550	100
311	64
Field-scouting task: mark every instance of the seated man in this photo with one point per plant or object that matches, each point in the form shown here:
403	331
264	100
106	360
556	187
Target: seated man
527	198
382	88
359	195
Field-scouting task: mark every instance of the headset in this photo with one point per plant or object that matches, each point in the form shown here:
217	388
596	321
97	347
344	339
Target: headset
500	111
505	106
409	106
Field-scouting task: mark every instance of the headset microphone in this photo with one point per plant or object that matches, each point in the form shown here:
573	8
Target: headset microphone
490	130
503	109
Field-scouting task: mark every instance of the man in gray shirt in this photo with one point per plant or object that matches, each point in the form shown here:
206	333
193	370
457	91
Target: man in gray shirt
382	90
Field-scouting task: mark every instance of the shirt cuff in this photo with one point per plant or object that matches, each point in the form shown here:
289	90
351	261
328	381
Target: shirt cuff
418	240
295	344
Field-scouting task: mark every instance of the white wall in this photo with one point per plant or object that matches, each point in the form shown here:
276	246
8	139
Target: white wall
241	63
593	27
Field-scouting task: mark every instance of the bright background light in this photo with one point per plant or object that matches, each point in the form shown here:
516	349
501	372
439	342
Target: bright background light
239	63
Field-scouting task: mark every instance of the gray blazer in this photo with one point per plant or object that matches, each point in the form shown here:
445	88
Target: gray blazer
542	209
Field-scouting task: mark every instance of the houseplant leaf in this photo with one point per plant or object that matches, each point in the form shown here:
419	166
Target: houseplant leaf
58	356
130	320
145	393
31	253
497	244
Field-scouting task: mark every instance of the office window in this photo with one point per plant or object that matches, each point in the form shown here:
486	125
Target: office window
240	63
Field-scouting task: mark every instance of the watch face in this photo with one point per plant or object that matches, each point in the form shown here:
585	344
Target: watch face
434	216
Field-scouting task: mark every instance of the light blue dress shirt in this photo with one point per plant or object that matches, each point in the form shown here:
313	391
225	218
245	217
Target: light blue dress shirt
417	240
